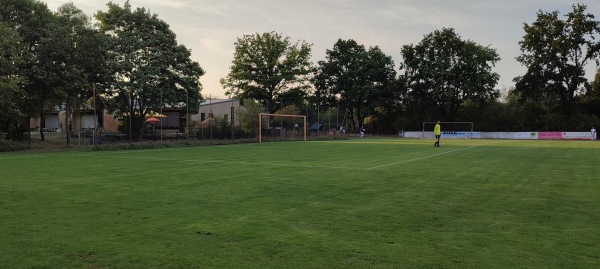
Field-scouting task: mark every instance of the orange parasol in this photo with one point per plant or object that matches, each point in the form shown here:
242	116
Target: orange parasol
153	120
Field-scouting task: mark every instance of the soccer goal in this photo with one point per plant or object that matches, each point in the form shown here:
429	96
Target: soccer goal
450	129
276	127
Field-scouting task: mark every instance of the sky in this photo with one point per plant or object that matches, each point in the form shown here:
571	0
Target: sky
209	28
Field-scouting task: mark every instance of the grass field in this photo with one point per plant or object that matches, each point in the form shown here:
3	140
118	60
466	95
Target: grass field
360	203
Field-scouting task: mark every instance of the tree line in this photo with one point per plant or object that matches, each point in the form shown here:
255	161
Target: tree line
443	77
130	64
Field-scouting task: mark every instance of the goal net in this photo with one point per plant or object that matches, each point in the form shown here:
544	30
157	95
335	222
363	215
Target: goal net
450	129
277	127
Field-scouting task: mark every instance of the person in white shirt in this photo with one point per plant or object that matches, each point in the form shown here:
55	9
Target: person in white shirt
593	133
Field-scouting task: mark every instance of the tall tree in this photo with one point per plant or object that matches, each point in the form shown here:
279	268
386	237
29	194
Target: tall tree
150	69
354	78
556	53
384	90
10	93
79	52
266	66
443	71
30	19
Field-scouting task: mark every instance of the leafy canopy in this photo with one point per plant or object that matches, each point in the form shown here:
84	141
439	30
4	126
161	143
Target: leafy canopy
150	68
266	66
354	77
10	92
443	71
555	53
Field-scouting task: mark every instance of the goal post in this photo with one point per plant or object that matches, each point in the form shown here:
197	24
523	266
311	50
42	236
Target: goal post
281	127
450	129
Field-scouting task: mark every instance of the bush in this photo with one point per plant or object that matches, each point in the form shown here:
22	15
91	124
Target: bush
583	122
8	145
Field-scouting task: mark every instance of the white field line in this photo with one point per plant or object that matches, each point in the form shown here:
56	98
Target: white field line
111	155
299	165
429	156
233	162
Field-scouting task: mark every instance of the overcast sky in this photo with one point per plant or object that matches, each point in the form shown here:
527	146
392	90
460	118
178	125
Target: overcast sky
210	27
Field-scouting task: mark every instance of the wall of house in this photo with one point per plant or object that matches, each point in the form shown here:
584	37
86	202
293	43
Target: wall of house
56	122
172	120
217	108
110	124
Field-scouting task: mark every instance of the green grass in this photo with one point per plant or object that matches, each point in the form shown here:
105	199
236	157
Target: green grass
372	203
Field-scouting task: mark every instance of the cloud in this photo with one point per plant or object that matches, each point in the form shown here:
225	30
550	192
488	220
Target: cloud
173	4
209	28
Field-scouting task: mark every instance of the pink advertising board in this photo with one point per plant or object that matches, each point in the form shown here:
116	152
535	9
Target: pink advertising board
563	135
550	135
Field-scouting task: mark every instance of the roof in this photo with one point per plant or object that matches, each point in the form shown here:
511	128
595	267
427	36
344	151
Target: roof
216	101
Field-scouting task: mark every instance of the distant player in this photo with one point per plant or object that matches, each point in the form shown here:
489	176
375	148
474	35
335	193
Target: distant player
593	133
362	132
437	130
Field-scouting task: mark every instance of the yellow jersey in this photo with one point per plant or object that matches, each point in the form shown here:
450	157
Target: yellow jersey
437	130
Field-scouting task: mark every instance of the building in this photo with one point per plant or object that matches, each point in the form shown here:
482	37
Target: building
172	120
82	119
213	109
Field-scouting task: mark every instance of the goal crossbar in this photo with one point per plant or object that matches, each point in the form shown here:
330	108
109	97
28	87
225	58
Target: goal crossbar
260	116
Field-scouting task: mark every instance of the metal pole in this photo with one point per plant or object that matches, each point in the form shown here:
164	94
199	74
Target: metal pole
232	118
187	116
318	119
260	128
161	113
95	116
305	131
210	115
130	112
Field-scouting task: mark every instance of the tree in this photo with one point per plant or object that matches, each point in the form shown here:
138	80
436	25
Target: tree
248	117
150	68
30	18
443	71
266	66
390	112
595	85
354	78
10	93
79	52
591	99
556	53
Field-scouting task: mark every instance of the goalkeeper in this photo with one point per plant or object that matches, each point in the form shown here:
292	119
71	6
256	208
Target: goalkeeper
438	133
